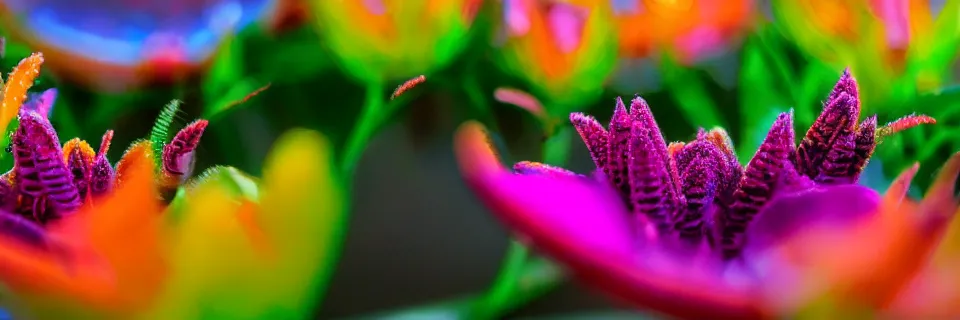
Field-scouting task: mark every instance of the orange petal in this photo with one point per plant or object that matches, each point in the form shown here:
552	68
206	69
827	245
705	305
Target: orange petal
141	150
125	229
15	89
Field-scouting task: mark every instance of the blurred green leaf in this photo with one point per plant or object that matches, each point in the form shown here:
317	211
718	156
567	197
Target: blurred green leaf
943	43
760	101
227	67
688	89
557	147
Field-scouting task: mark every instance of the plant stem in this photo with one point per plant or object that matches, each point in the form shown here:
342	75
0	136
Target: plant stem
369	121
511	288
478	102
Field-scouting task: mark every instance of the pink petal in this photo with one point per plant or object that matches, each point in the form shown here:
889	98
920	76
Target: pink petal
515	15
567	23
895	15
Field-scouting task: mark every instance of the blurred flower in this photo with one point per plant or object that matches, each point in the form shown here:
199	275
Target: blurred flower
893	44
689	32
683	228
692	29
121	44
380	40
259	254
564	49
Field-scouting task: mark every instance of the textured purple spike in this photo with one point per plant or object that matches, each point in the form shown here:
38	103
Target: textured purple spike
41	173
42	103
840	156
22	229
594	136
536	168
733	171
80	170
847	84
866	142
647	180
178	155
102	176
762	175
643	116
703	167
838	120
618	149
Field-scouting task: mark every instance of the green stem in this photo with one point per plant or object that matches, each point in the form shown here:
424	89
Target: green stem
369	121
506	282
691	96
509	290
478	102
522	278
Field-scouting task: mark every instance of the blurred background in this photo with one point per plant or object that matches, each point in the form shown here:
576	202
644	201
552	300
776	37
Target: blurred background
416	235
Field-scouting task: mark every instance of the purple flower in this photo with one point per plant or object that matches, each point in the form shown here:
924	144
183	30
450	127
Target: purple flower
684	228
48	182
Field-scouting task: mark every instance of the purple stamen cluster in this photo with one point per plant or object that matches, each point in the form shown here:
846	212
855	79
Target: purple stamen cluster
698	193
49	181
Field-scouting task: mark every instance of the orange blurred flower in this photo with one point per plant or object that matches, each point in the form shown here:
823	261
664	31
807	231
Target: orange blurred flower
565	49
689	28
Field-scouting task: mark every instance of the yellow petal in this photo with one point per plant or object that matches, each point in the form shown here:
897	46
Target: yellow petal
235	259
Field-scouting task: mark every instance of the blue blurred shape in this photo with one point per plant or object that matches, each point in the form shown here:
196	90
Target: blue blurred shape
126	31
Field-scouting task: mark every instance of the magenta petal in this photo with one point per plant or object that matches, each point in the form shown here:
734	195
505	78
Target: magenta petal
832	206
569	211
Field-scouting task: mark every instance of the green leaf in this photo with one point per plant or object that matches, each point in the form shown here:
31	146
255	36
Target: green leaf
161	128
557	147
688	89
760	102
944	42
227	67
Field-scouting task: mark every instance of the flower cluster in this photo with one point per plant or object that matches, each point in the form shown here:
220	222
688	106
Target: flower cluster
88	240
659	222
48	181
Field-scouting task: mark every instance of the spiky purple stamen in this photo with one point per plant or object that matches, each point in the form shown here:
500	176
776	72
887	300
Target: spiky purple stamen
698	192
178	156
40	173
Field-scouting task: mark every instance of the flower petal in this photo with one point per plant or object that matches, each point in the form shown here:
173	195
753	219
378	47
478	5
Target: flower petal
835	206
866	266
274	256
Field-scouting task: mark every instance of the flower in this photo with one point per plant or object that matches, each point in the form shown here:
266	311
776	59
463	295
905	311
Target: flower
685	230
894	44
128	44
49	181
262	253
692	28
381	40
565	49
